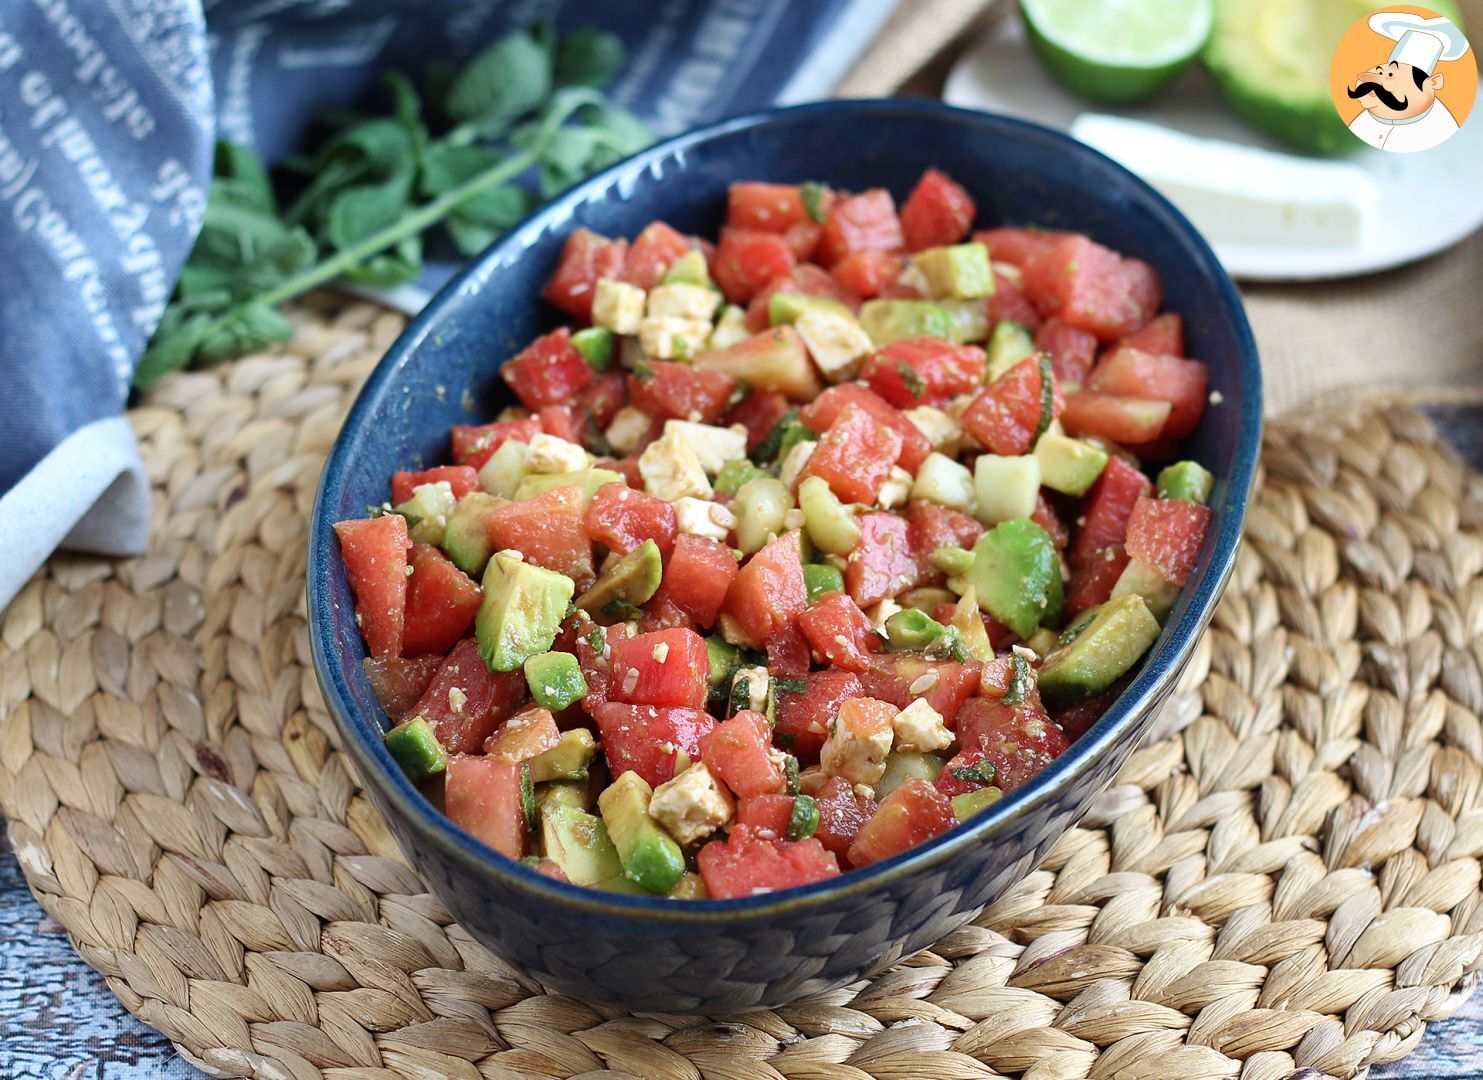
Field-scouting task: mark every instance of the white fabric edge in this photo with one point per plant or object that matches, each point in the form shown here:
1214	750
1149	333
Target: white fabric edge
89	494
843	43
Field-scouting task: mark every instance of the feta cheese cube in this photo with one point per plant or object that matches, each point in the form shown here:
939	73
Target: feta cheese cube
618	306
550	454
680	301
715	446
896	489
756	683
837	342
692	805
731	328
627	428
920	728
671	470
942	431
796	461
701	517
858	756
667	338
880	611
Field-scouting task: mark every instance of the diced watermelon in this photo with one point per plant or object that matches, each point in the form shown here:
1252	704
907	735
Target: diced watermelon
962	773
599	401
1091	287
803	238
585	257
588	641
912	813
466	701
839	632
1010	304
803	719
1091	583
740	752
855	455
482	797
930	527
841	814
652	253
1072	351
698	576
747	864
788	653
1046	517
1182	383
821	413
924	371
681	392
667	667
767	815
441	603
548	530
1017	246
1167	535
868	273
938	211
557	421
1076	720
375	554
548	371
398	682
892	675
646	739
474	444
1116	417
461	479
753	204
1108	506
1163	335
661	613
748	259
864	222
1007	413
768	593
1018	740
758	412
621	518
883	563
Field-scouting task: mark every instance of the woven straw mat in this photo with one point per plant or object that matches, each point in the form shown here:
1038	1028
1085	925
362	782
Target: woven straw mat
1285	879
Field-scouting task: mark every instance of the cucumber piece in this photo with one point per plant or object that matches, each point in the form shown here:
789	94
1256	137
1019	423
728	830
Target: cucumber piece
417	749
790	307
1101	653
500	475
466	540
957	272
587	481
970	319
760	507
1016	574
427	511
1188	480
1068	465
734	474
688	269
975	802
912	630
902	766
624	584
1140	579
555	680
830	525
650	857
1010	343
894	319
570	759
1005	488
522	610
595	343
819	578
803	822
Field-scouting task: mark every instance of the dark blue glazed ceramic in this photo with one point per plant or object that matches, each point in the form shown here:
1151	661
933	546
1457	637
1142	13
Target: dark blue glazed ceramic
728	955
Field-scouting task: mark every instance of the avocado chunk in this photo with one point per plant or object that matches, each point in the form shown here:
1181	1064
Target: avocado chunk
1100	654
587	481
427	511
624	585
790	307
734	474
724	659
562	793
975	802
500	475
970	319
522	610
569	759
417	749
819	578
893	319
912	630
1010	343
952	561
555	680
1069	465
973	636
650	856
904	765
1140	579
803	822
958	271
1186	480
578	842
688	269
466	540
1016	573
595	343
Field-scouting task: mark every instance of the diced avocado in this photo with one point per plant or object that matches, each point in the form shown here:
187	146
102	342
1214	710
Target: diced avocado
562	793
587	481
893	319
428	510
522	610
1043	642
649	855
417	749
912	630
926	598
902	766
819	578
724	659
466	540
803	822
975	802
501	474
1005	487
578	842
624	584
958	271
1140	579
595	343
1010	343
735	473
969	624
790	307
952	560
1069	465
1188	480
690	887
1099	655
1017	574
569	759
970	319
688	269
555	680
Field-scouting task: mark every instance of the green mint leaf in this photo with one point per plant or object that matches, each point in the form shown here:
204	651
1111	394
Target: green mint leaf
395	266
1047	398
171	349
913	380
980	772
1021	681
812	193
241	164
446	165
496	207
589	58
359	211
790	686
510	78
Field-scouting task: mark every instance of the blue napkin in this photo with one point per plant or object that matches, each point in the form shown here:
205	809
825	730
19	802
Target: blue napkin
108	114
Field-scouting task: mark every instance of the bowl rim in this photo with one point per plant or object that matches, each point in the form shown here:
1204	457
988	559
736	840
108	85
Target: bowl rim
1196	606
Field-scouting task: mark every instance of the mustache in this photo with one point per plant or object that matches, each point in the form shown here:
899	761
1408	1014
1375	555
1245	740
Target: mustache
1389	100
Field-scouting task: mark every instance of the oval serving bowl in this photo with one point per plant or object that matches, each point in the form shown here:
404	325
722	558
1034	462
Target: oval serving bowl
655	954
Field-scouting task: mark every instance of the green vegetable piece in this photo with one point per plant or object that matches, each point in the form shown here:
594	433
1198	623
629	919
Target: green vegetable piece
724	658
427	511
1010	343
793	434
417	749
803	822
587	481
1068	465
555	680
1047	399
1021	680
812	192
975	802
501	474
624	585
1016	573
562	793
734	474
1043	642
1005	487
1099	655
767	449
791	775
466	540
790	307
528	796
522	610
952	561
1140	579
1188	480
912	630
819	578
569	759
904	765
595	343
578	842
649	855
959	271
970	319
688	269
893	319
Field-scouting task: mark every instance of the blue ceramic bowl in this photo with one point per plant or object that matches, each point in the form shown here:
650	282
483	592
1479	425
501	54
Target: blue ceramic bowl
726	955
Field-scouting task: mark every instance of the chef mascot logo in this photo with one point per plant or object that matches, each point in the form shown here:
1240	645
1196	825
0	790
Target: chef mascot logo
1404	79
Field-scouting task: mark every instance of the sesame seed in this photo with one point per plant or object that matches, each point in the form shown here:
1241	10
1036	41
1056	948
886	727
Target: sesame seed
1216	397
923	682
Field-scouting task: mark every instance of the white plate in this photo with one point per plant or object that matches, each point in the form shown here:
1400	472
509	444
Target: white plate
1428	201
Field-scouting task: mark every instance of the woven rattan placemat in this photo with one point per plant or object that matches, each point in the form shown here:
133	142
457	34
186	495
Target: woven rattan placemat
1286	878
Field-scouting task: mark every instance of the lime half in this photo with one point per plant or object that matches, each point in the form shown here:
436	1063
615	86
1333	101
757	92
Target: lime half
1116	51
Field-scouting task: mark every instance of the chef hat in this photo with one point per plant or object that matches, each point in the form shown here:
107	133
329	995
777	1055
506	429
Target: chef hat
1419	41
